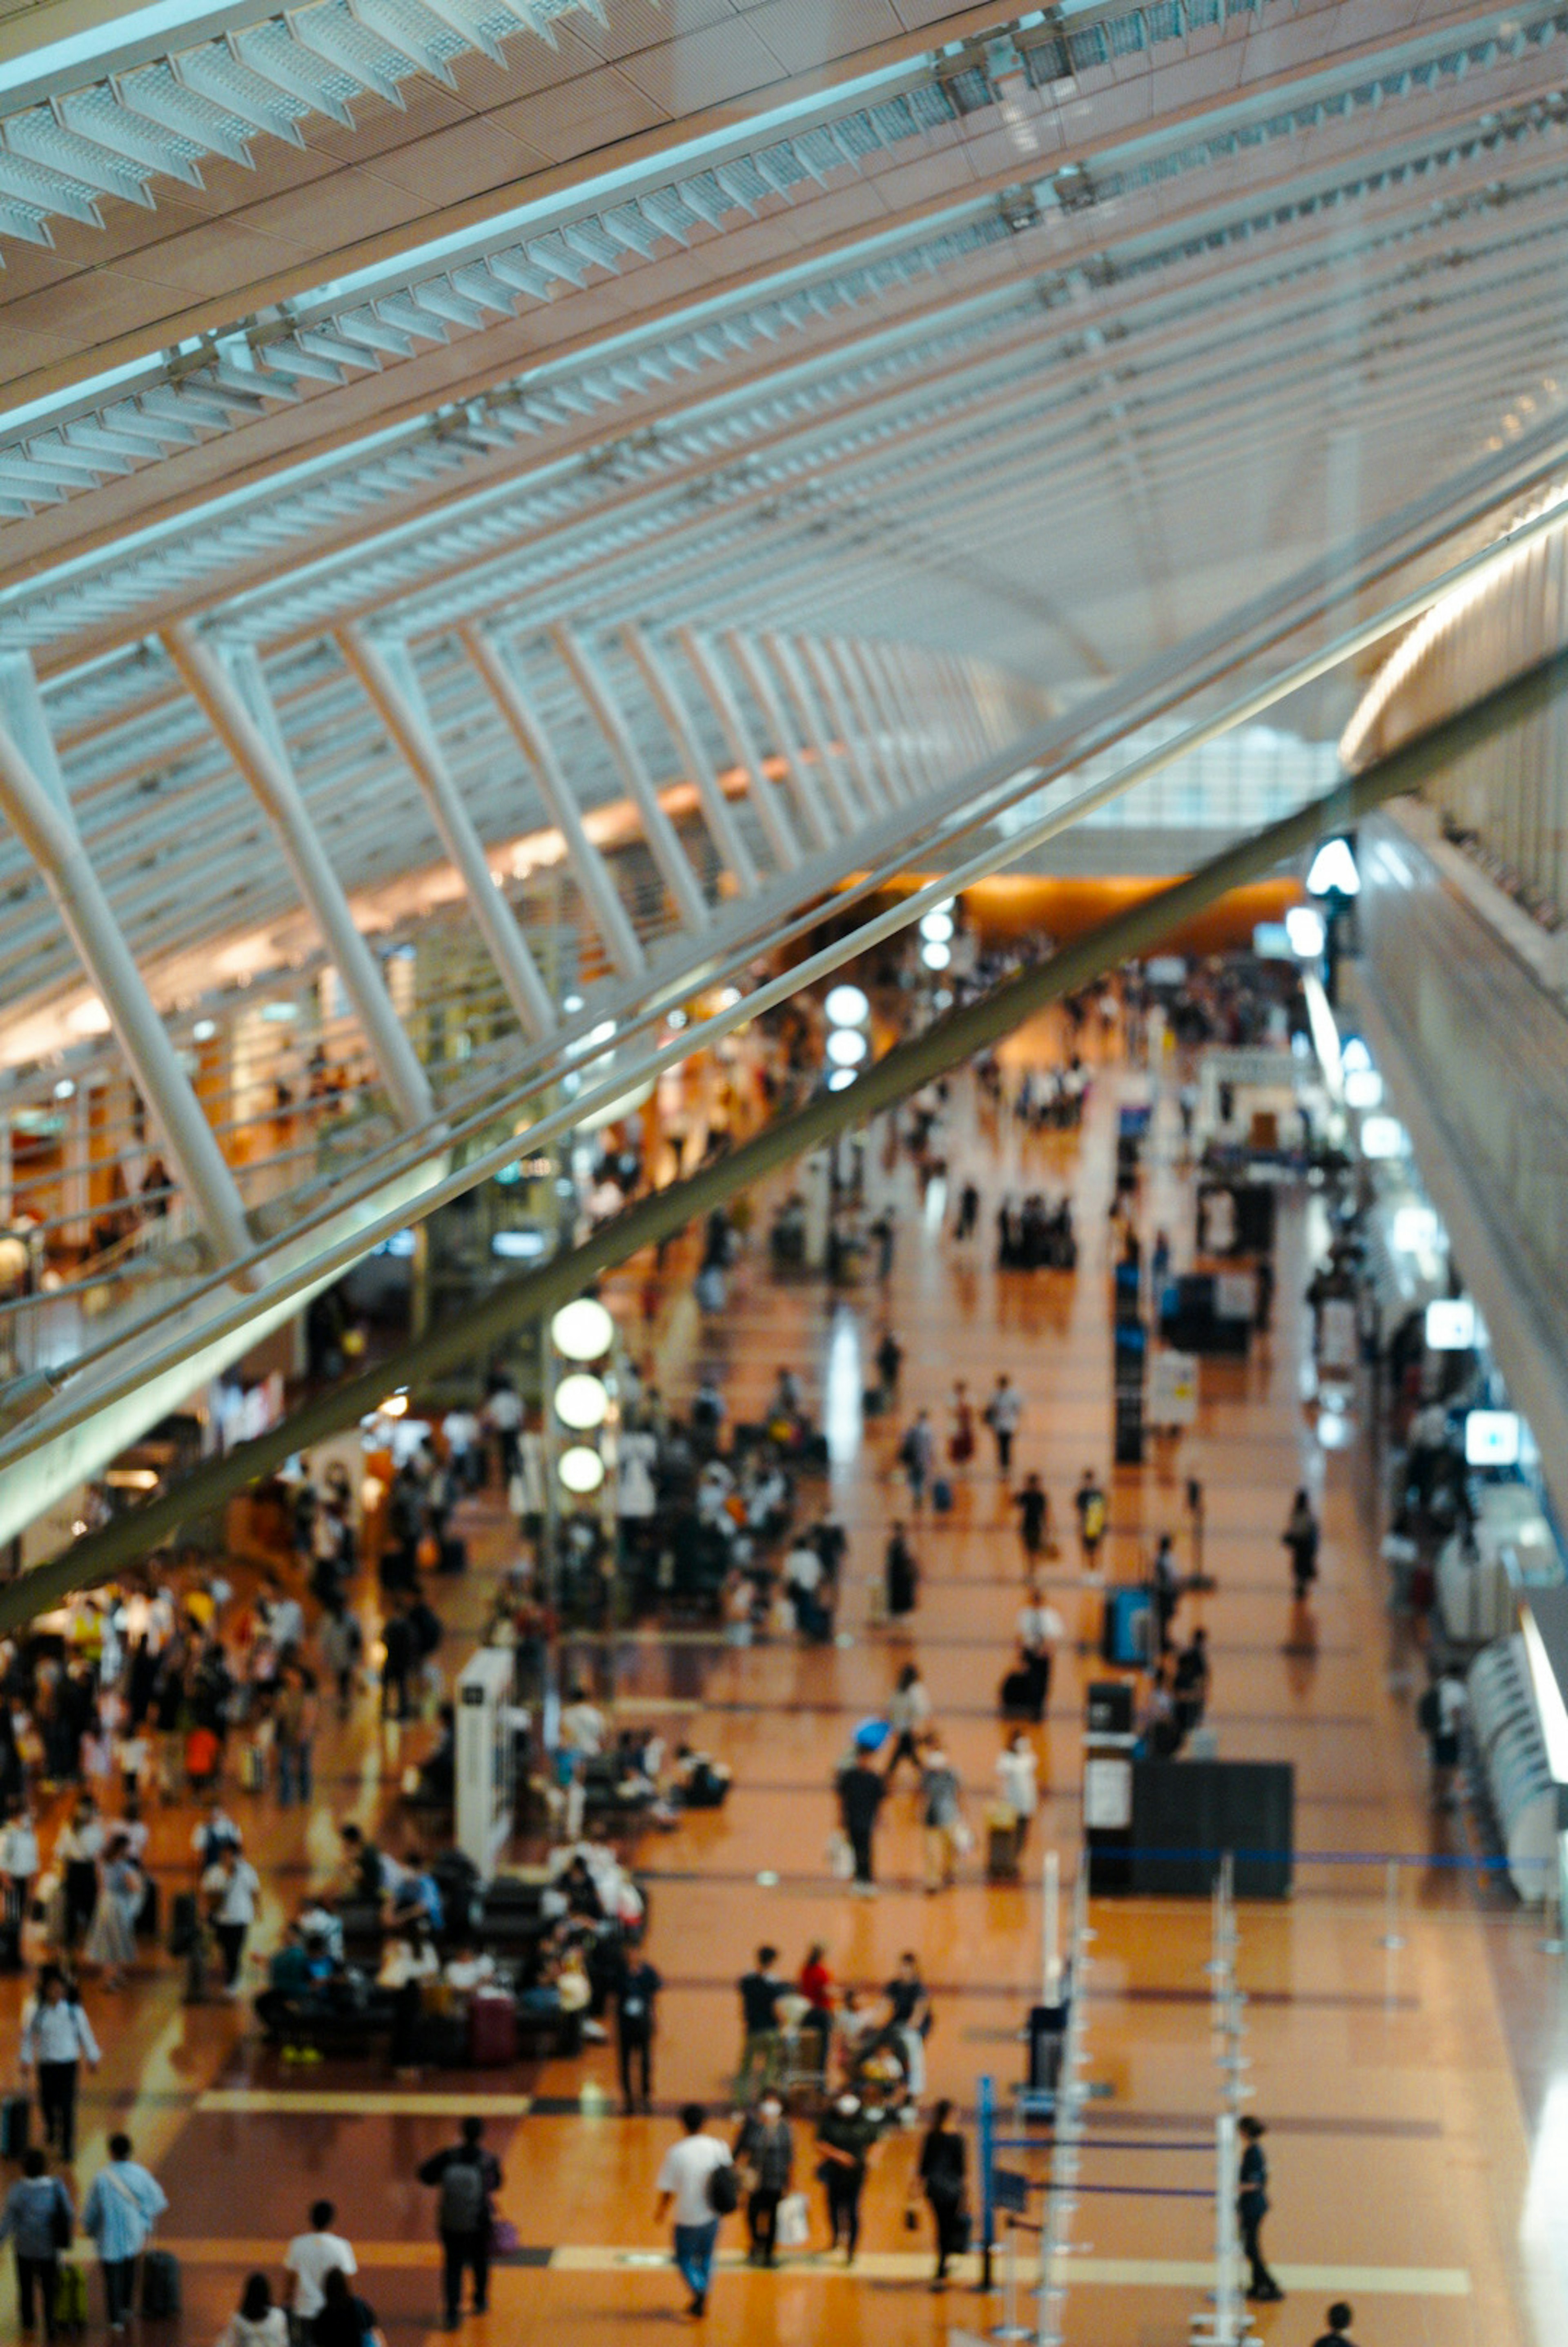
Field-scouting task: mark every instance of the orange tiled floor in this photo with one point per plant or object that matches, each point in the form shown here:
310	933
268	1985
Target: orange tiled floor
1401	2115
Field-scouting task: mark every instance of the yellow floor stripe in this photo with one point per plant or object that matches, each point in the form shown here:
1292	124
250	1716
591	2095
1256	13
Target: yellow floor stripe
253	2102
1191	2274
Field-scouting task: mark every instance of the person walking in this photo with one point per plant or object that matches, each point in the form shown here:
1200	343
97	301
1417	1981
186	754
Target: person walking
1301	1536
968	1212
1339	2318
1040	1627
345	2319
909	1714
37	2221
1165	1590
939	2174
902	1575
464	2176
1089	1502
231	1888
916	1452
844	2138
56	2039
77	1851
760	1990
940	1816
1441	1715
311	2256
256	2321
1003	1413
910	2013
688	2183
1252	2206
295	1713
637	1989
1017	1773
1033	1506
18	1871
765	2154
862	1791
122	2206
111	1940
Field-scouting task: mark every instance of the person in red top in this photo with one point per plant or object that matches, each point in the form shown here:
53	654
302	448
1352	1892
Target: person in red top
816	1985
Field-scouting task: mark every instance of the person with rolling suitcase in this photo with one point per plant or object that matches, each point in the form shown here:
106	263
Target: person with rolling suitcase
465	2176
37	2219
122	2206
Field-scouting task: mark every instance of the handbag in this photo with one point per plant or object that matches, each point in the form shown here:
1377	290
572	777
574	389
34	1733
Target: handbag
841	1857
792	2225
504	2239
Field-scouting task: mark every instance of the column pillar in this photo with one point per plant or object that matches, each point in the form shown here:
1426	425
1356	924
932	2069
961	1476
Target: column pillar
32	796
499	669
813	732
764	693
389	682
232	696
665	693
664	845
766	801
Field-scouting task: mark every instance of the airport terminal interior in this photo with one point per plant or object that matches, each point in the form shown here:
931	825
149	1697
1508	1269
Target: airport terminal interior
784	1172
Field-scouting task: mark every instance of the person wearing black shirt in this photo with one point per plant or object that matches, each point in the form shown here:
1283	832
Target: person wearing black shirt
464	2174
760	1990
844	2138
637	1989
939	2174
861	1793
344	2320
1338	2334
1033	1505
1252	2206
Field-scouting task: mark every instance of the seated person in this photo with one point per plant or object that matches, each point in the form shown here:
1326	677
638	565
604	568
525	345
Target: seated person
698	1781
465	1969
416	1897
880	2076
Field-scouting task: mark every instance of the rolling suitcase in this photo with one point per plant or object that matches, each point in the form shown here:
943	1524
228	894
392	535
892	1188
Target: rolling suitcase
453	1556
16	2123
159	2286
1127	1631
1002	1845
184	1922
491	2031
71	2298
942	1496
1020	1697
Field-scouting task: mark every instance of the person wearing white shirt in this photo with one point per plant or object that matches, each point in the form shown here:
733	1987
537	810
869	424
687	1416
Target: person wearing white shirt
18	1865
56	2038
311	2257
685	2184
1040	1627
583	1726
466	1969
232	1888
1017	1768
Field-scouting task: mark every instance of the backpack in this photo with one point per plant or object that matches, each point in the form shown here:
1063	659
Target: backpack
724	2190
462	2196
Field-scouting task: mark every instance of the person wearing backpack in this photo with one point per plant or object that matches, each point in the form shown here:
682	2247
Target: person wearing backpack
697	2179
37	2221
465	2176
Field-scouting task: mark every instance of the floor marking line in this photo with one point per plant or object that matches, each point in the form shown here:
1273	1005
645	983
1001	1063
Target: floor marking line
872	2265
258	2102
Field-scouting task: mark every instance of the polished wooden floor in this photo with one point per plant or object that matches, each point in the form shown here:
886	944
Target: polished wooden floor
1412	2094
